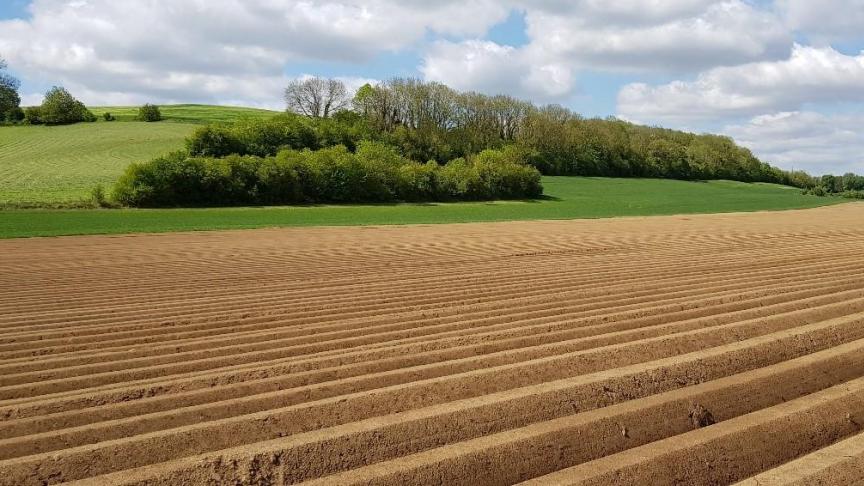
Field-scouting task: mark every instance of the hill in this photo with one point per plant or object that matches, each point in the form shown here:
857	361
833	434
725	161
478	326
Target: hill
187	113
60	165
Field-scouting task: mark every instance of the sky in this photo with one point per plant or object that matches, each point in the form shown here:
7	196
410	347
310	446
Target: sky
783	77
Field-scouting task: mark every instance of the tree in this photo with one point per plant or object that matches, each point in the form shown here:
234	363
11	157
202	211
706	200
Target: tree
149	113
9	100
316	97
60	107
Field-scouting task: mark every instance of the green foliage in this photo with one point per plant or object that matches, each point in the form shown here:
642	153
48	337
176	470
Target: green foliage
61	108
265	137
149	113
108	117
431	121
33	115
98	197
10	101
848	185
375	173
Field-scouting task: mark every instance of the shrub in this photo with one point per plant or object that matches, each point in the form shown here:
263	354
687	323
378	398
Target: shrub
15	115
853	194
33	115
60	108
213	141
108	116
149	113
254	137
375	173
819	191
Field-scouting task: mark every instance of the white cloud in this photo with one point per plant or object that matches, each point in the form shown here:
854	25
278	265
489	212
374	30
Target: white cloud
492	68
810	141
682	36
810	75
213	50
630	36
825	20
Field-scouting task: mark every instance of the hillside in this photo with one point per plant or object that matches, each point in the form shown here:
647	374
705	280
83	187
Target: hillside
187	113
60	165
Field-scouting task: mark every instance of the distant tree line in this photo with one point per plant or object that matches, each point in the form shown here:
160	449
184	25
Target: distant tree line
58	107
848	185
430	121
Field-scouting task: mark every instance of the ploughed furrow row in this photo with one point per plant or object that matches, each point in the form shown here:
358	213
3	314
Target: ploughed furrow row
186	349
488	294
335	295
841	463
197	388
707	349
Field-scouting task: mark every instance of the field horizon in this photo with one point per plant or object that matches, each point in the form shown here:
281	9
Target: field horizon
566	197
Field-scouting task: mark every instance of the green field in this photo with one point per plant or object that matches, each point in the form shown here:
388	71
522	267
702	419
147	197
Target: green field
61	165
42	166
187	113
566	198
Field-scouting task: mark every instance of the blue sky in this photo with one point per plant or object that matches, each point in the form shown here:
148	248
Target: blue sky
783	77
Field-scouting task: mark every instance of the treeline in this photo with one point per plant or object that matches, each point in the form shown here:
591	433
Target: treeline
848	185
430	121
373	173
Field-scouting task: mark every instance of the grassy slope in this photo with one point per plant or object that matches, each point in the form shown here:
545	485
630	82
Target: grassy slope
567	197
62	164
187	113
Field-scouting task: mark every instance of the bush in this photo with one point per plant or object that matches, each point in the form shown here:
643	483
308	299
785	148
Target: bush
853	194
108	116
61	108
15	115
33	115
375	173
149	113
266	137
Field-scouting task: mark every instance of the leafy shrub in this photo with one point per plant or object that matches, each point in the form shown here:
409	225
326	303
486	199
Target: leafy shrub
214	141
149	113
33	115
60	108
375	173
14	115
108	117
853	194
265	137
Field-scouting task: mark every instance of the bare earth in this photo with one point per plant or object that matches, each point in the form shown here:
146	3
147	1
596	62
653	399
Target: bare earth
666	350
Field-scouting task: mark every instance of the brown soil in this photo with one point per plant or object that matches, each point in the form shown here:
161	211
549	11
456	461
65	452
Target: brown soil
669	350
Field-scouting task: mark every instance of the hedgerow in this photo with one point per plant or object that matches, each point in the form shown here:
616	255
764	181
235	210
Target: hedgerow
374	173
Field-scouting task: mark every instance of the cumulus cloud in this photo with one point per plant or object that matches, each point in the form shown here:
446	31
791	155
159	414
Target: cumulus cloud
814	142
810	75
213	50
492	68
678	36
824	20
681	36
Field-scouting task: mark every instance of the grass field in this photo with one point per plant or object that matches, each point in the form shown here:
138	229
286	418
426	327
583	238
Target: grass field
61	165
187	113
566	198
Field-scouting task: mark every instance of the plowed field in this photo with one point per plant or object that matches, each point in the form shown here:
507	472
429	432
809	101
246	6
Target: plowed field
670	350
